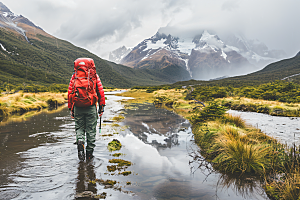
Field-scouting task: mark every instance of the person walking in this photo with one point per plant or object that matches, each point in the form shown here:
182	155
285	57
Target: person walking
85	90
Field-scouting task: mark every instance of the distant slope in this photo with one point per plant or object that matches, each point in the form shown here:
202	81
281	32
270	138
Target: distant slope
166	75
272	72
51	56
50	60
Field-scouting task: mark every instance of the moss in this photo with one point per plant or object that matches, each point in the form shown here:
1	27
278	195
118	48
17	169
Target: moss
115	125
114	145
106	182
118	118
106	135
126	173
117	154
112	168
120	162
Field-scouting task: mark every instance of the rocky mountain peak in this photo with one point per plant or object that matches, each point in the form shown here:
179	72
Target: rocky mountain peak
3	8
207	40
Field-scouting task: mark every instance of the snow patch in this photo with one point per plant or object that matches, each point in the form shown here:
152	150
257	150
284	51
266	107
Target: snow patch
4	48
186	45
258	57
291	76
224	55
157	45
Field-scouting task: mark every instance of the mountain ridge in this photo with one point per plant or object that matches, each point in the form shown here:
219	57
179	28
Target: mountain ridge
32	51
203	49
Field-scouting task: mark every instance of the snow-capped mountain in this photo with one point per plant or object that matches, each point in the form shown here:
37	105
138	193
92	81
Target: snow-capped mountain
256	52
204	56
157	52
118	54
18	23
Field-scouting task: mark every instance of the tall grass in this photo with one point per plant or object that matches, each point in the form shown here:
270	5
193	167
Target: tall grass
284	183
236	120
20	103
236	154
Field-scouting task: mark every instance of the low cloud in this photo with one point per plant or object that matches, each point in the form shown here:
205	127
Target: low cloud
230	5
102	26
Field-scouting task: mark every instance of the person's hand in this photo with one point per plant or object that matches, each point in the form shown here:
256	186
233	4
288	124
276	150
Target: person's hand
101	110
71	113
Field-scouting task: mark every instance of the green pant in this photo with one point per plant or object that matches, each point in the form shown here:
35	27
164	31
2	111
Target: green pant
85	123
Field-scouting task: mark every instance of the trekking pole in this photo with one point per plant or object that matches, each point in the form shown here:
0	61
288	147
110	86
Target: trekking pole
100	124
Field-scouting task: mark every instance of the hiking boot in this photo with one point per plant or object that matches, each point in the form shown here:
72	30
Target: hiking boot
89	155
80	148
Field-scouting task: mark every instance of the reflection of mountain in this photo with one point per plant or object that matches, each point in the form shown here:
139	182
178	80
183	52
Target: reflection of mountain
157	127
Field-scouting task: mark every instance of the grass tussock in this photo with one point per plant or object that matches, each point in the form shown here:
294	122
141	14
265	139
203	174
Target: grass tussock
235	119
232	149
20	103
287	187
274	108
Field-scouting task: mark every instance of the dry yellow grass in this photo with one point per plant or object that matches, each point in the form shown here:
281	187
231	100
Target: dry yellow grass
140	96
271	104
24	102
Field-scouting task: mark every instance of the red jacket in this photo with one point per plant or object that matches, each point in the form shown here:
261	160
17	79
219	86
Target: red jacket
99	89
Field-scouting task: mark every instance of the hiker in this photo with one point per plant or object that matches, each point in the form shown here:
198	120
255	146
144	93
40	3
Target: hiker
85	90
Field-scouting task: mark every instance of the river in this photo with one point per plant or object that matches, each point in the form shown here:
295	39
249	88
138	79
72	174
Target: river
285	129
39	159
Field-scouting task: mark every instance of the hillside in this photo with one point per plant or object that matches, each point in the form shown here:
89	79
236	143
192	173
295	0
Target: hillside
274	71
46	60
49	56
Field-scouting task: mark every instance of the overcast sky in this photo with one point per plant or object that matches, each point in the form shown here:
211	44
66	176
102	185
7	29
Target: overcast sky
102	26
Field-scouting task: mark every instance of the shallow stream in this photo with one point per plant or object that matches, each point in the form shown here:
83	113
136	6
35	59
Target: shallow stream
285	129
39	159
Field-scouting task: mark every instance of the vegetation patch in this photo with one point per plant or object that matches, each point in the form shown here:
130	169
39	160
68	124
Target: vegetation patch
117	154
125	173
107	135
114	145
112	168
106	182
230	146
118	118
140	96
120	162
20	103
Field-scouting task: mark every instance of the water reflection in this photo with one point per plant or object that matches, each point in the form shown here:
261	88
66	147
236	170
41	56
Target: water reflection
285	129
157	127
174	168
246	186
86	175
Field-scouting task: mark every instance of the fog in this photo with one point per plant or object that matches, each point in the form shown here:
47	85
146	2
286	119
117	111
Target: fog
102	26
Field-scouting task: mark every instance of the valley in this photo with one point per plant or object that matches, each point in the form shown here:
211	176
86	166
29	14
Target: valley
190	114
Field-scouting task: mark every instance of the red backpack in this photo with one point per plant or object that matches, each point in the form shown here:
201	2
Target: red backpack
84	86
